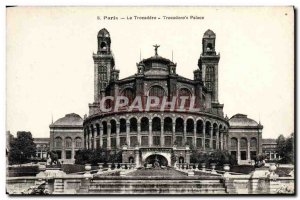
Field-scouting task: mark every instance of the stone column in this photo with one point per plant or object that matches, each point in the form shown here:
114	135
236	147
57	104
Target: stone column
218	139
203	141
118	136
86	140
195	135
238	151
173	132
127	133
248	150
139	133
90	138
150	133
63	152
108	136
211	137
137	157
184	132
95	134
101	136
222	140
73	149
162	141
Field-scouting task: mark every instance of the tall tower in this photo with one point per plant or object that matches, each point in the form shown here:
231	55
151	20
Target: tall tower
104	64
208	64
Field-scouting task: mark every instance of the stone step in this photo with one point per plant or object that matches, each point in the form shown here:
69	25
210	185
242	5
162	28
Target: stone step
117	185
158	191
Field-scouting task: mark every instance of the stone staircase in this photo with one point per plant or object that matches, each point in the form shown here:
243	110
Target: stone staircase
150	185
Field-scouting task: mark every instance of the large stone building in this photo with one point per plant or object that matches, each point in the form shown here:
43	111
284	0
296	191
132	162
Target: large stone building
66	137
245	138
143	135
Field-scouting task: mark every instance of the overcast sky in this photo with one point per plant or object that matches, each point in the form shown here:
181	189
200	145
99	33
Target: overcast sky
50	66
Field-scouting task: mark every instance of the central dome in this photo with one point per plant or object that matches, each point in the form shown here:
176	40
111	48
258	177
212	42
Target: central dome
156	65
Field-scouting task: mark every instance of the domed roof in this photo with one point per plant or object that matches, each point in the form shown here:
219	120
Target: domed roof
71	119
242	120
103	33
209	34
156	65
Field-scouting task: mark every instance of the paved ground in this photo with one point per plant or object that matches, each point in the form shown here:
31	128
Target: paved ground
157	172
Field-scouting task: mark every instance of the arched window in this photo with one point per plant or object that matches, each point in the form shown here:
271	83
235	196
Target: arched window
220	130
133	125
207	128
157	91
233	143
104	125
92	130
98	129
168	124
144	124
156	125
253	143
103	46
68	142
129	94
199	127
190	126
243	143
122	125
58	142
113	126
209	47
184	92
179	125
215	130
78	142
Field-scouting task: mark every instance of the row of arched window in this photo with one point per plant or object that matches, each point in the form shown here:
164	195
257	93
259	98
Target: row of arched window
58	142
158	124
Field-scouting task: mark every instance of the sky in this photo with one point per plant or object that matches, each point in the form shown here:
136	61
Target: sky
49	70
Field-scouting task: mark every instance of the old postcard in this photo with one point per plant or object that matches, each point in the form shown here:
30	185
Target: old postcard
150	101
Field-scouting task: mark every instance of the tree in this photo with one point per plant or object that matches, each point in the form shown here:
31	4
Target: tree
22	148
285	148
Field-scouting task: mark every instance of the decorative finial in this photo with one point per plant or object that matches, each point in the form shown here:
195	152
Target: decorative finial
140	54
155	48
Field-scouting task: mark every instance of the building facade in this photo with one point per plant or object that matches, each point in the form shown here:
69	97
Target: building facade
269	148
171	132
42	147
245	138
66	137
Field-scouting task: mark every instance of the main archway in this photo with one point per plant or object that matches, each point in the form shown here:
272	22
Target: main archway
156	157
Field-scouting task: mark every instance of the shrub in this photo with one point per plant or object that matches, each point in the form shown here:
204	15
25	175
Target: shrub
23	171
72	168
96	156
220	157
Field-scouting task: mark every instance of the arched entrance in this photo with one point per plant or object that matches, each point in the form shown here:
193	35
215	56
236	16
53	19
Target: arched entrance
156	158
